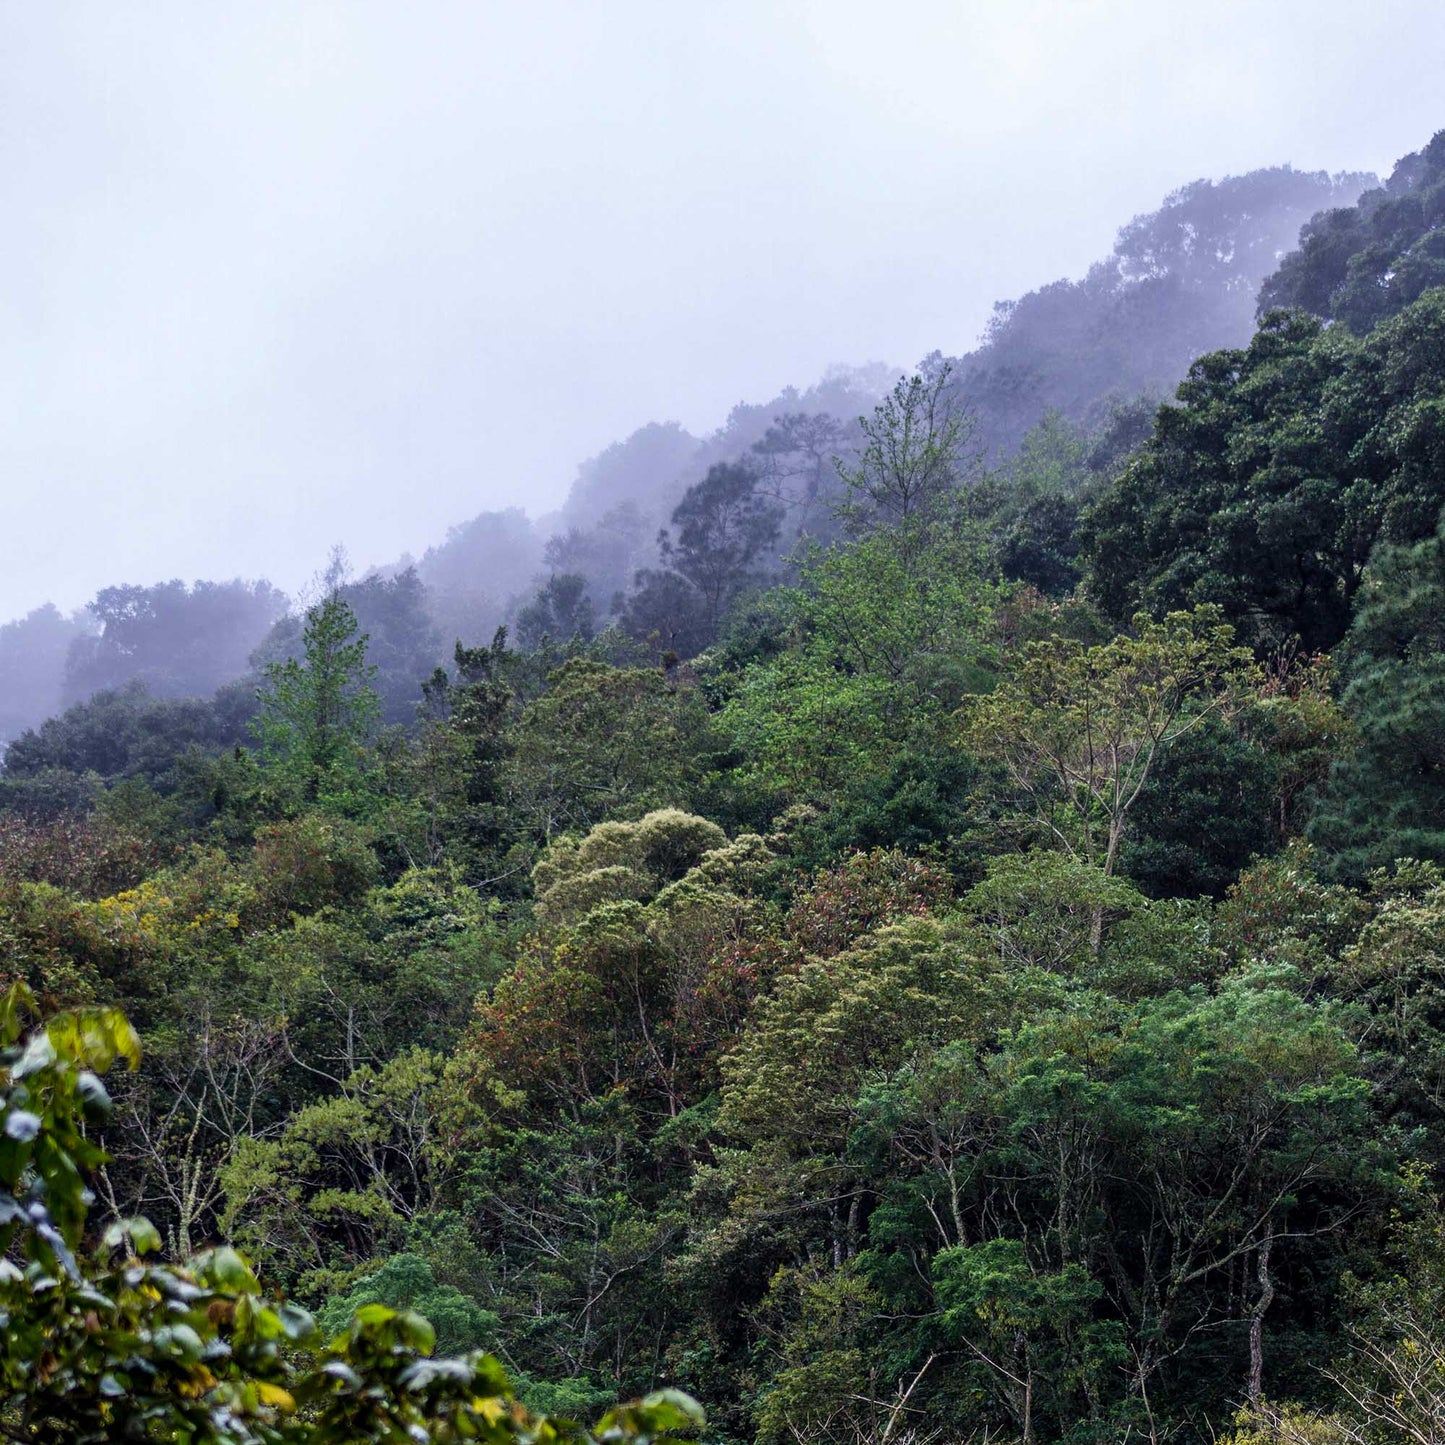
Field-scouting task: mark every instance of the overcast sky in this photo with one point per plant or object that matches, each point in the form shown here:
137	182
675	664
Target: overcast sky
274	276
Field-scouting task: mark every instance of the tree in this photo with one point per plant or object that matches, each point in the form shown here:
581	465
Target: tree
178	641
913	455
33	650
1386	799
407	1281
560	612
603	741
1389	1382
402	643
458	781
797	456
1031	508
316	714
1180	281
723	527
1033	1330
127	734
1079	728
721	530
1364	263
883	639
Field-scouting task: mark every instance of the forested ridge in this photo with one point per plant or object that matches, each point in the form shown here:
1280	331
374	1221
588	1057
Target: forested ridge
919	917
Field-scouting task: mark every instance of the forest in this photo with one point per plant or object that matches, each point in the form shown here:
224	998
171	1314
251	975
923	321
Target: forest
917	917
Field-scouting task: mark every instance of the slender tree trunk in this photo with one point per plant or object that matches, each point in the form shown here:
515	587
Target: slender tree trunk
1256	1326
1028	1406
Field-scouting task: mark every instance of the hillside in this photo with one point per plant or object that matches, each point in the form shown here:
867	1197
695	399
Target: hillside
976	980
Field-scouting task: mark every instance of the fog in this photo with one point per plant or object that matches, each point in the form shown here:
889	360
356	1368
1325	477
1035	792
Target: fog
278	276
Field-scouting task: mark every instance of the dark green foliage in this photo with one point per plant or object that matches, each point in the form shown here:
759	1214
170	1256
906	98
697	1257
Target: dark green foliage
1208	809
1268	484
1367	262
1040	546
121	735
1387	800
923	800
1031	506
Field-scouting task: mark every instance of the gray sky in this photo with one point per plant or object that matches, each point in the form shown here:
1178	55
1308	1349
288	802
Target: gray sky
278	275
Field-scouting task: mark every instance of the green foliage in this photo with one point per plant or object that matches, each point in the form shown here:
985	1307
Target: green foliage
1265	489
887	636
1387	799
102	1345
826	1353
561	611
1031	505
1078	729
117	735
616	861
1362	264
317	713
1034	1333
603	741
406	1282
868	1025
1208	807
913	455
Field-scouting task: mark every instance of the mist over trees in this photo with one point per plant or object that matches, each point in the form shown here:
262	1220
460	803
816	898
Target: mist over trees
176	641
33	650
1181	281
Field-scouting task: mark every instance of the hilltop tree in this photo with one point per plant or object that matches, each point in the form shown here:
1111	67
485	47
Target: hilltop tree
179	641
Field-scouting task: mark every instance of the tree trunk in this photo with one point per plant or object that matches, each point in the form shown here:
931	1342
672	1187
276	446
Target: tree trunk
1256	1326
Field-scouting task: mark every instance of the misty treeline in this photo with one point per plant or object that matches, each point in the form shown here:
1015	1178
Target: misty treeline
944	942
1095	353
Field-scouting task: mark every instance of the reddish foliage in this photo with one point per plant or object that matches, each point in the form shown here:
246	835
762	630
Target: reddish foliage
86	856
842	904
